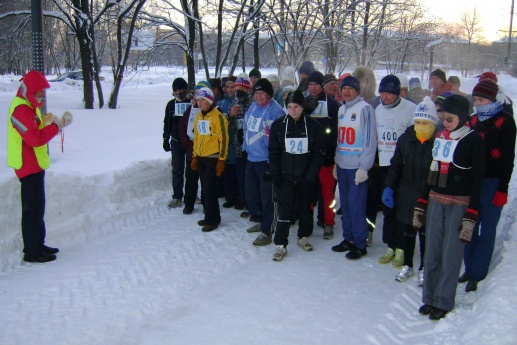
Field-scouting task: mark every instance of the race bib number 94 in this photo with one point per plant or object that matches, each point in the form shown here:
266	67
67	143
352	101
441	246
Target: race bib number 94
443	150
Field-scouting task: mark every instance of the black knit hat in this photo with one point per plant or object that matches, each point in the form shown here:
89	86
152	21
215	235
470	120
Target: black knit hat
440	74
215	82
456	105
264	85
391	84
352	82
327	78
179	84
255	73
295	96
306	68
315	77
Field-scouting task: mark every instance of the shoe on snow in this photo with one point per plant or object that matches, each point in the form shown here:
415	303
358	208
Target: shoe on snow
344	246
262	240
463	278
387	257
437	314
398	260
174	203
404	274
426	309
472	285
305	244
280	253
328	232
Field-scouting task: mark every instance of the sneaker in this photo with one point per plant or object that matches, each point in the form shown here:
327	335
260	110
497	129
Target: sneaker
390	254
328	232
463	278
426	309
404	274
472	285
49	250
41	257
174	203
398	261
208	228
437	314
280	253
305	244
369	240
245	214
188	210
228	204
198	200
262	240
238	205
201	222
420	281
344	246
255	228
356	253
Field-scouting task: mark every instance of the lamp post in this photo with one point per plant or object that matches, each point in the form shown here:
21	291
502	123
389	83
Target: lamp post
37	42
507	62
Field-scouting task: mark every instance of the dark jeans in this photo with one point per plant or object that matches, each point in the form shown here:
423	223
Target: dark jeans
206	167
178	168
191	185
231	186
33	211
293	196
259	195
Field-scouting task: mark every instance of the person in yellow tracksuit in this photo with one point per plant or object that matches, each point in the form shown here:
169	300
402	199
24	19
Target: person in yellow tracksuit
209	155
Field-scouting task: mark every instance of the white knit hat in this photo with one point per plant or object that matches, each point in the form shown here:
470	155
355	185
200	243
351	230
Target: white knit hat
426	110
289	74
404	81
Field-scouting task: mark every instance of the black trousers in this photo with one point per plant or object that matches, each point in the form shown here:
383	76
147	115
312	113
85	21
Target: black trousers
178	168
33	212
231	186
409	242
293	196
206	167
191	185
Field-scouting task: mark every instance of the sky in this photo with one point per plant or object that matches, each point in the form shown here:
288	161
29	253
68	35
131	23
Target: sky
132	271
495	14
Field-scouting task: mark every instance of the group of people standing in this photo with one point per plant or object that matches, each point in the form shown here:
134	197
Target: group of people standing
438	165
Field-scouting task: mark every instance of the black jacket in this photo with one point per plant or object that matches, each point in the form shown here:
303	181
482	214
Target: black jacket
295	167
408	172
171	122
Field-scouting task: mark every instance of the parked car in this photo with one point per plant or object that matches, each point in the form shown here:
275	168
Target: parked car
75	75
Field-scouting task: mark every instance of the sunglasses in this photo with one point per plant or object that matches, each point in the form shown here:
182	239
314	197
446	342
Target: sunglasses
449	119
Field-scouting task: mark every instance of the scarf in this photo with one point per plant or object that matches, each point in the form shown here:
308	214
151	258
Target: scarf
439	171
488	110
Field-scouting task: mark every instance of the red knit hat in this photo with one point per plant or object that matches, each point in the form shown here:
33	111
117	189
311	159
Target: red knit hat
488	76
486	89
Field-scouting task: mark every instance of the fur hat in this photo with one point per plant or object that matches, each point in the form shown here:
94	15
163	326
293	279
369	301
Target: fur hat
440	74
264	85
179	84
288	74
486	89
306	68
206	94
31	83
243	80
255	73
316	77
391	84
352	82
295	96
273	78
426	110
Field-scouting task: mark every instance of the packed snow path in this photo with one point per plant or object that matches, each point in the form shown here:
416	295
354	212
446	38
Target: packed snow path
151	276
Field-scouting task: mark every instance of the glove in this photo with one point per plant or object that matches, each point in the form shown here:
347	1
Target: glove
193	164
387	197
361	175
500	199
166	145
277	181
467	225
64	121
219	168
419	214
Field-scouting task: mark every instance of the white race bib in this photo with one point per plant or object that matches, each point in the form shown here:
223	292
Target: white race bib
190	125
203	127
180	108
254	124
321	111
296	146
240	123
443	150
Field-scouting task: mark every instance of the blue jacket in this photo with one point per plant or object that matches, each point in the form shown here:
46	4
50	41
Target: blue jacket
257	126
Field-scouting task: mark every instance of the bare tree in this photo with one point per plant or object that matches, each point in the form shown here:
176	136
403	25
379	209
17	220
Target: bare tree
471	24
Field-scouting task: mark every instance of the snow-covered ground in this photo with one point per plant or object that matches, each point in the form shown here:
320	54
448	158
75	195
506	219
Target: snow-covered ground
133	271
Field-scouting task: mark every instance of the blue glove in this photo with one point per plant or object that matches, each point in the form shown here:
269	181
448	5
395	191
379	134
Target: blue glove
387	197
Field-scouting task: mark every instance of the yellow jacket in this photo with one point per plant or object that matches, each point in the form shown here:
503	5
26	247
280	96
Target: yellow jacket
211	135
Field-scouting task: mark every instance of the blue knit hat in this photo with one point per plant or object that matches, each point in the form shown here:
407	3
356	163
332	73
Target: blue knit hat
391	84
351	81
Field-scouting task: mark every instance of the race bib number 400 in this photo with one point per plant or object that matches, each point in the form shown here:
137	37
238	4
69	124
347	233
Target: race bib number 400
443	150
